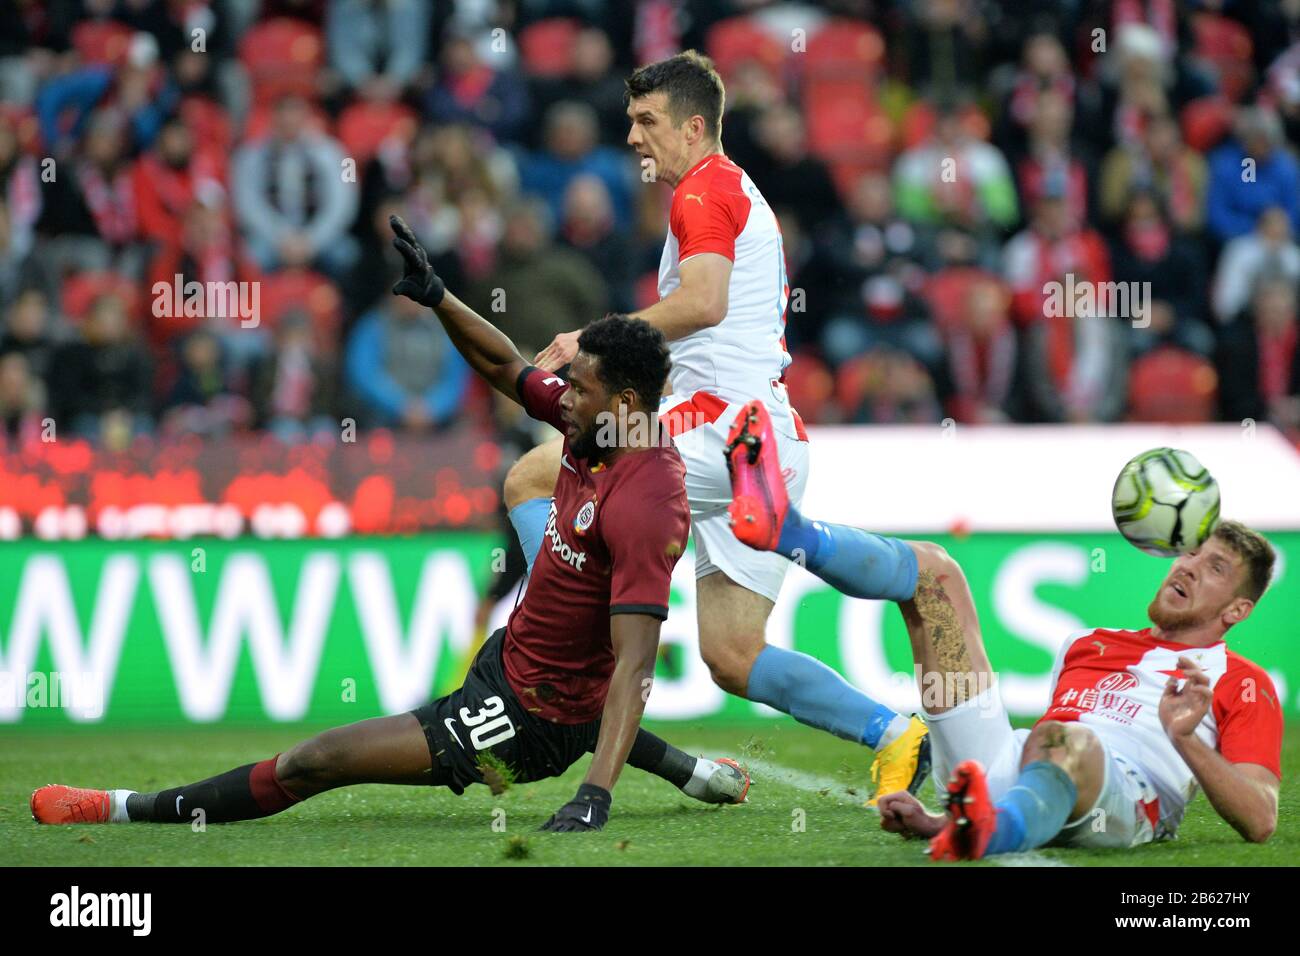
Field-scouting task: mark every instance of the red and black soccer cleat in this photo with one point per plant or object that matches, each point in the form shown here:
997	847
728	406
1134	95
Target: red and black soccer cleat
972	817
58	804
758	496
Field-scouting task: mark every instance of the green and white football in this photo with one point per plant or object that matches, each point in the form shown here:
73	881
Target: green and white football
1165	502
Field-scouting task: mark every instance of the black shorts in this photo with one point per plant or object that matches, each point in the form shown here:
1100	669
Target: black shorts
485	716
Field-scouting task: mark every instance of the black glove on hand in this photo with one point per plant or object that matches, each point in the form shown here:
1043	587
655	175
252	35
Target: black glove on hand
589	810
419	282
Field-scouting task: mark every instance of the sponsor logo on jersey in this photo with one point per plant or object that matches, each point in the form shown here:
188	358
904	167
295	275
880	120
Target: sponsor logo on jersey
586	515
559	546
699	199
1117	682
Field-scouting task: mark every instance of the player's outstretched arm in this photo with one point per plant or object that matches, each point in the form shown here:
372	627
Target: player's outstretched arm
485	347
635	638
700	302
1244	794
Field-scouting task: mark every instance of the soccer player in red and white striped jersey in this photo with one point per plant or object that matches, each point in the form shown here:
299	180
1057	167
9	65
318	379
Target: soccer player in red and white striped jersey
1139	720
722	303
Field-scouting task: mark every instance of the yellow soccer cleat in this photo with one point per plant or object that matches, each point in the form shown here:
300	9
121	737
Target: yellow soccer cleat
904	764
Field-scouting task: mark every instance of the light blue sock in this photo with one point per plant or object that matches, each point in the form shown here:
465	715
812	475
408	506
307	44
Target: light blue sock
529	519
1033	811
854	562
813	694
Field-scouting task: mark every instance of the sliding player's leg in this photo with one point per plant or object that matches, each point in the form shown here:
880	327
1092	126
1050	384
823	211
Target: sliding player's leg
709	781
528	488
381	750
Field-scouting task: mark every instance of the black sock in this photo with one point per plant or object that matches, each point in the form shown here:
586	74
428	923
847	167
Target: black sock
657	756
245	793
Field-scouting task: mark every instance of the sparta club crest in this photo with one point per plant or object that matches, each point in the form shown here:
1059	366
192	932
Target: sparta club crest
586	515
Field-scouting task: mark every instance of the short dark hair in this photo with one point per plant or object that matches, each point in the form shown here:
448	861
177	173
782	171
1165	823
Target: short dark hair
1256	555
692	85
633	354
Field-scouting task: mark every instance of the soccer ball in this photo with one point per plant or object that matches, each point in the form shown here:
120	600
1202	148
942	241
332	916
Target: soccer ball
1165	502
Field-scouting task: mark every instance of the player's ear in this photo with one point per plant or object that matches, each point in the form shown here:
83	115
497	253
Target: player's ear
1238	610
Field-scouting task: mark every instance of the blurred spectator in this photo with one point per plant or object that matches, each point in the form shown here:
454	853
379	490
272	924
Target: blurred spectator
33	33
572	149
943	46
1259	360
100	384
1239	190
377	48
1167	326
593	80
1052	248
290	198
1045	68
140	90
787	174
204	400
888	387
166	182
20	190
309	11
1266	252
293	389
1147	250
1048	157
953	177
28	331
588	229
537	289
867	239
1162	163
90	207
981	356
1076	367
21	401
751	92
890	316
470	91
206	253
403	368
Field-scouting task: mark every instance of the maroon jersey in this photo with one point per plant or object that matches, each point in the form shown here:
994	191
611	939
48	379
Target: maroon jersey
612	538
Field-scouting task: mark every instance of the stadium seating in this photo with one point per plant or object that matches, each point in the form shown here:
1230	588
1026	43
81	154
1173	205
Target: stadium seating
1172	386
738	40
547	46
102	42
282	56
364	127
1227	46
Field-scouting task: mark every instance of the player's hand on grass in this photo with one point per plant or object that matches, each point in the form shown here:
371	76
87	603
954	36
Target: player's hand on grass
559	353
903	814
589	810
1181	711
418	282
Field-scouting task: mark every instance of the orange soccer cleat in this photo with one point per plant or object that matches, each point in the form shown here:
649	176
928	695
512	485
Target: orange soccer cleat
59	805
758	497
972	818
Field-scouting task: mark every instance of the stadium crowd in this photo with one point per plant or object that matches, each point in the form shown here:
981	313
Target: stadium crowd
934	163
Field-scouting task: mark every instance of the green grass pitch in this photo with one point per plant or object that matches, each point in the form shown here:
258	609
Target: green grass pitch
800	776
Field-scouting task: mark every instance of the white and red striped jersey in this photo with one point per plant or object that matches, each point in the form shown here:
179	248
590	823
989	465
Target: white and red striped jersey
1112	681
717	208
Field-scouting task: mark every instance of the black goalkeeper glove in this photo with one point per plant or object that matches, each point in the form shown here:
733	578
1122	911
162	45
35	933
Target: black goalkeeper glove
419	282
589	810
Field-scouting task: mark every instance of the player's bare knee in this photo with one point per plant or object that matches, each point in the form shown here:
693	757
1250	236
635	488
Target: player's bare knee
532	476
729	670
933	558
312	763
1068	745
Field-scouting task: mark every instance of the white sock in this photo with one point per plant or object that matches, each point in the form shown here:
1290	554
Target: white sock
698	785
896	728
117	806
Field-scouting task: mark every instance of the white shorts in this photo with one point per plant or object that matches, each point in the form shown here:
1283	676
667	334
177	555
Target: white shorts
1126	813
708	489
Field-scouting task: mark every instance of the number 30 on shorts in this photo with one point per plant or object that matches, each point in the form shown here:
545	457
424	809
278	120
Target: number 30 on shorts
491	725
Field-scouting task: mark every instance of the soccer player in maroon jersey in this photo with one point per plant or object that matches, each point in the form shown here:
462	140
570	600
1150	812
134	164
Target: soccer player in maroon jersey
571	671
